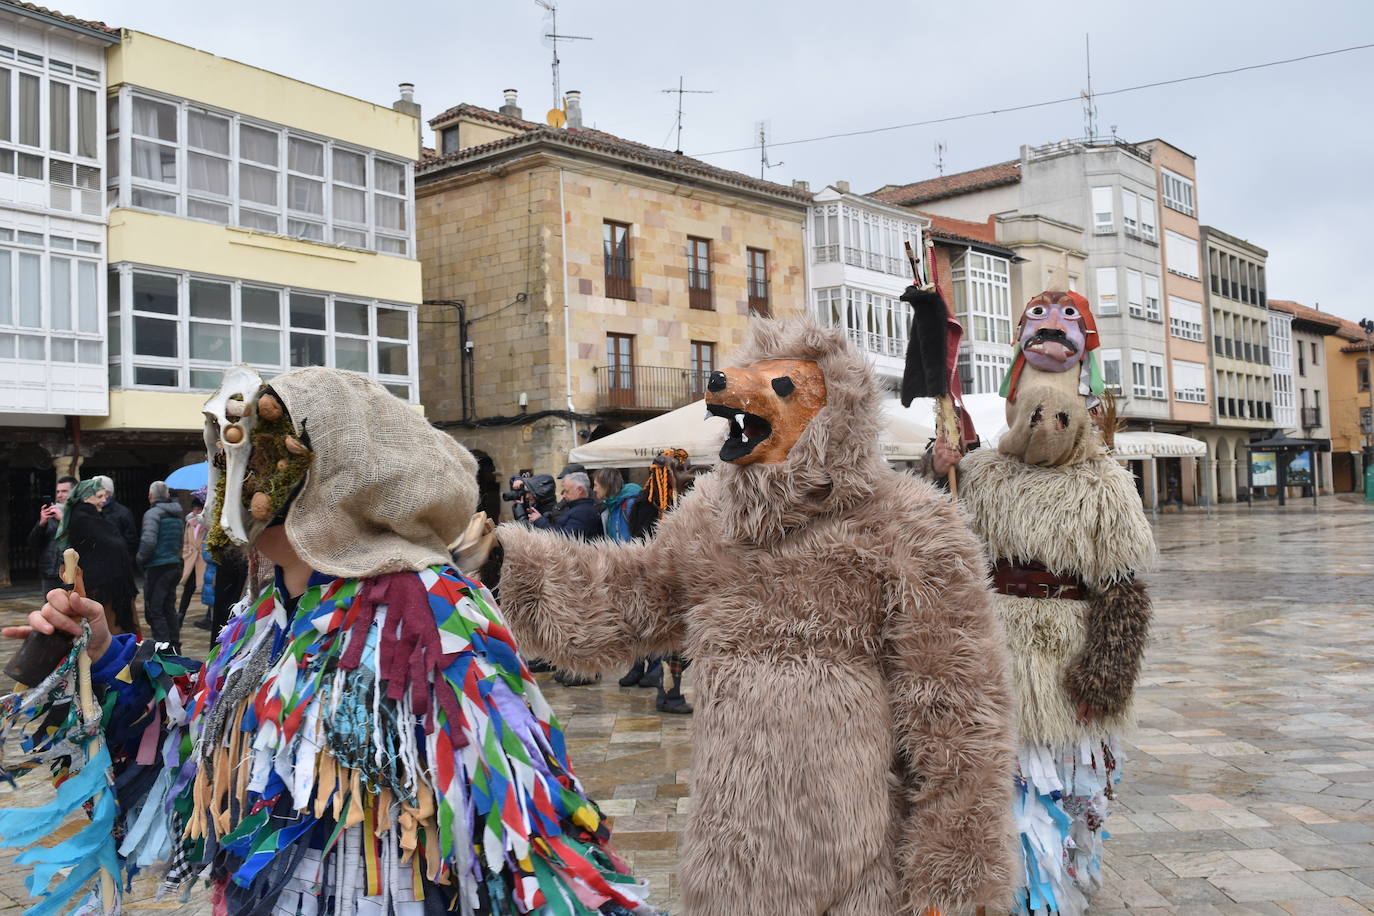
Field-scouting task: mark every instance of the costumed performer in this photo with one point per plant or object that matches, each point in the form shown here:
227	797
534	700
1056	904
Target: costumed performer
853	727
364	738
1067	534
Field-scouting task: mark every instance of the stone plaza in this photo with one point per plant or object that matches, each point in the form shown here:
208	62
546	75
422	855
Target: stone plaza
1249	783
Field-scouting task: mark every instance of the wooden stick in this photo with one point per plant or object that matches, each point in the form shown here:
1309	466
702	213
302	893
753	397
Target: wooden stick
72	575
946	420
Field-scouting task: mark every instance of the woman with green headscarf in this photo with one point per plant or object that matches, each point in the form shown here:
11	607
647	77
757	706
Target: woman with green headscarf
105	563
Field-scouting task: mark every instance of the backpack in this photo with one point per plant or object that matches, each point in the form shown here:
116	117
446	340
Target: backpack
618	521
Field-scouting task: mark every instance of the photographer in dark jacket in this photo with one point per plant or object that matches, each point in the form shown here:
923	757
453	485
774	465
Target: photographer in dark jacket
43	537
578	515
535	492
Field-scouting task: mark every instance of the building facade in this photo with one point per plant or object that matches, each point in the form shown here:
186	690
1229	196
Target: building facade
859	268
1310	329
1348	354
1246	379
579	282
52	256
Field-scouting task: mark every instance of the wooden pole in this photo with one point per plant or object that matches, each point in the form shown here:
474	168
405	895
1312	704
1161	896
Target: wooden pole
946	419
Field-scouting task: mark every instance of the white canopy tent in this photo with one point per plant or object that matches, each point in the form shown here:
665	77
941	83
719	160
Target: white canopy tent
904	437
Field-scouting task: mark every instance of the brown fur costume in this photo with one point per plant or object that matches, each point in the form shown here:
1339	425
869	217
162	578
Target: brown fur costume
853	746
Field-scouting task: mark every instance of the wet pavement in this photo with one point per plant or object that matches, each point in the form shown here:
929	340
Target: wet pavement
1249	784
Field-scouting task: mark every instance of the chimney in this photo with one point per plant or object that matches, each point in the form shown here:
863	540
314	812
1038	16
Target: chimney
842	187
799	185
406	105
572	104
511	109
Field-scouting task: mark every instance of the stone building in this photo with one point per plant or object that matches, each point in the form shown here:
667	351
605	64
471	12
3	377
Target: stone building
578	282
1347	377
1245	380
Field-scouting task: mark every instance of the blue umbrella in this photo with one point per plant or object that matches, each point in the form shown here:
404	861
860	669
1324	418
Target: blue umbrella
191	477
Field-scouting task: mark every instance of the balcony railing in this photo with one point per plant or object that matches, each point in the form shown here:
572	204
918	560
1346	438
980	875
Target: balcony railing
619	276
647	389
699	289
1311	417
758	297
876	343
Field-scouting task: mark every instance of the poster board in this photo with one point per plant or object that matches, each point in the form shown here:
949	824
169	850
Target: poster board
1300	469
1264	469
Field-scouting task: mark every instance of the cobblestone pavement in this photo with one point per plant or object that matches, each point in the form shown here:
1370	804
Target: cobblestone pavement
1249	783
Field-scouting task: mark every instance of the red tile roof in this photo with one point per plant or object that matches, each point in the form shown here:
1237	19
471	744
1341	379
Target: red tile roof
587	138
961	228
917	192
35	8
1313	316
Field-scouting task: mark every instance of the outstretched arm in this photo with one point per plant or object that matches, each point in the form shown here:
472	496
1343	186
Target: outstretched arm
946	662
588	606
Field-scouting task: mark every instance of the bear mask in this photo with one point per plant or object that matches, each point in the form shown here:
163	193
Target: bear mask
768	404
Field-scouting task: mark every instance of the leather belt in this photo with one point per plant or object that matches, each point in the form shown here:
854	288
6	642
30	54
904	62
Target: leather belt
1029	579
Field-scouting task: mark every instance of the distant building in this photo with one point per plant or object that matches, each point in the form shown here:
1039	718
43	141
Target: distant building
859	268
1243	378
1347	379
580	282
1310	330
52	256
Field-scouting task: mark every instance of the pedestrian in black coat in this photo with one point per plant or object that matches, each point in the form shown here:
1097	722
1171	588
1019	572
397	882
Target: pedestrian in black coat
105	563
578	516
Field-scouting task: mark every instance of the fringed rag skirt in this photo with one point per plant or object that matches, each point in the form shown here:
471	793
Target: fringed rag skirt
1061	803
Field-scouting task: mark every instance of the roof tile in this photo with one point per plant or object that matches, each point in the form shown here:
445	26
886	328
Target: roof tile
35	8
989	176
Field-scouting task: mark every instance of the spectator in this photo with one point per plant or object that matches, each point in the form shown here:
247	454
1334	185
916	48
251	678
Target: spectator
192	562
43	537
105	563
159	553
669	476
618	499
541	490
578	516
119	516
570	468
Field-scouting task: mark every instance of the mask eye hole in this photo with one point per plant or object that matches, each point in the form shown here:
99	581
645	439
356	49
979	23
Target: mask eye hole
1037	311
1070	311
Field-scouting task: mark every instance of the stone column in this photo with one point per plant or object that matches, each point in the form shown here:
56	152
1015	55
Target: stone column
1324	478
67	466
1227	473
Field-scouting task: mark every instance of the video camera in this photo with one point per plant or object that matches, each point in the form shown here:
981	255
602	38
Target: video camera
530	491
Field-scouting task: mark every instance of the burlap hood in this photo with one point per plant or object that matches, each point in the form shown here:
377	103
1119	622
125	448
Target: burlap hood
386	492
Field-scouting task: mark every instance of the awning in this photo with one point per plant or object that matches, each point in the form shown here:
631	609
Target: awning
904	437
1140	445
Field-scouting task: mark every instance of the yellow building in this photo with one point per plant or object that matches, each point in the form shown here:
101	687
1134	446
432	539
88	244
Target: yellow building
1348	390
254	218
593	281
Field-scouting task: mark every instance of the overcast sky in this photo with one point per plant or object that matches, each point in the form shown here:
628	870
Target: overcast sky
1284	154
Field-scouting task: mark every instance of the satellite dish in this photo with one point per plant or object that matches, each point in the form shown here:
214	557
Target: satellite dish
556	117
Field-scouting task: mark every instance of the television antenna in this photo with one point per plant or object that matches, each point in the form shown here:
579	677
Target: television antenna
764	164
1089	100
680	93
552	38
940	148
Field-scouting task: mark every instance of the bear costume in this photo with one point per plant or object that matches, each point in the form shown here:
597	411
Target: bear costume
853	720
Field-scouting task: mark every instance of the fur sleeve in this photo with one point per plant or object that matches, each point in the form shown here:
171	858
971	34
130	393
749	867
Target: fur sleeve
1104	673
588	606
947	667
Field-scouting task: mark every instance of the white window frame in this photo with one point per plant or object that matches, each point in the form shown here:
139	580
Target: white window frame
981	284
1152	312
53	253
1140	374
1176	252
1178	192
379	239
1135	294
124	363
1185	319
1111	357
1184	373
1147	219
64	171
1130	212
1157	379
1107	301
1103	211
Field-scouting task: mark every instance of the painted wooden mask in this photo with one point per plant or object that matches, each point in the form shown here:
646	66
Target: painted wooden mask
768	405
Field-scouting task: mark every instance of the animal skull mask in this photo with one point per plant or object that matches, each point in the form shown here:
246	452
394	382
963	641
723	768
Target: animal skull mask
769	404
256	460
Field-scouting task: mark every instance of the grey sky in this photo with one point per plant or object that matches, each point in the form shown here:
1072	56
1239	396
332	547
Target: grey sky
1283	154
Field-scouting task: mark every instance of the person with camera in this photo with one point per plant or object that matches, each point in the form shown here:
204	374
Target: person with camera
531	492
578	515
43	537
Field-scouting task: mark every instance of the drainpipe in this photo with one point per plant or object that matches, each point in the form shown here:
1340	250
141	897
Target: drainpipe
567	308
